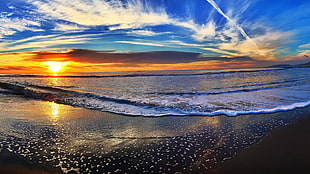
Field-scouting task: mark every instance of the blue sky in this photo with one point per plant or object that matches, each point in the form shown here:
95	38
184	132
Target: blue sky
264	30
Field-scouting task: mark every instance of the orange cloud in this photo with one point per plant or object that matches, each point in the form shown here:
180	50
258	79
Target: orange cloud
107	61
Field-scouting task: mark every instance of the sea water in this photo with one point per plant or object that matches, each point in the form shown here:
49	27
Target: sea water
161	93
38	132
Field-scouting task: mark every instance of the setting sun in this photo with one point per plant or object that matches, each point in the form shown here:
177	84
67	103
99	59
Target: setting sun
55	67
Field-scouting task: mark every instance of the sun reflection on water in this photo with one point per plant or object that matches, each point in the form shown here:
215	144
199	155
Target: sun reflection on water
53	80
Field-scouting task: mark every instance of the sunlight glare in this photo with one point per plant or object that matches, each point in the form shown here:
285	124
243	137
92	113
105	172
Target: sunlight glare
55	67
54	110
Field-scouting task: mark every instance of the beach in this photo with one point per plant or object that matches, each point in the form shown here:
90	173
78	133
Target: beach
154	86
285	150
45	137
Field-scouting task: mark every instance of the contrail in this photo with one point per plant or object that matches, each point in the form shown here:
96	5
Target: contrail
243	33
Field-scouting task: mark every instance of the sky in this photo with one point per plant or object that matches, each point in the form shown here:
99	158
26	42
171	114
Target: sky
137	35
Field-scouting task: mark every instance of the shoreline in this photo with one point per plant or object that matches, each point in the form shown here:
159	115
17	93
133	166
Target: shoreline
187	143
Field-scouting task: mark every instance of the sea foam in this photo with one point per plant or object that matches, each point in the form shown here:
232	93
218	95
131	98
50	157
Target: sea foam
181	93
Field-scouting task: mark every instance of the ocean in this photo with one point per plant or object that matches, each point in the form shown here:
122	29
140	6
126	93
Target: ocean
162	93
143	122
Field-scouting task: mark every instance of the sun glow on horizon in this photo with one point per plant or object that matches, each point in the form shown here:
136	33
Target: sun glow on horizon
55	67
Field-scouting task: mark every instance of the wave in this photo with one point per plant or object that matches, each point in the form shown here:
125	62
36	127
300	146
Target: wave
78	99
247	88
51	93
124	106
181	73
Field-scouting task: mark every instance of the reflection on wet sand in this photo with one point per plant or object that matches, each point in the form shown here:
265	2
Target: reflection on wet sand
54	111
86	141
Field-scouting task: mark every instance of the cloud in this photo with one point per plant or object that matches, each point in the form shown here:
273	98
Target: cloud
302	56
152	57
9	26
201	33
178	42
39	42
305	46
141	43
8	59
204	32
116	14
224	29
133	14
223	52
268	43
82	60
146	33
230	20
207	47
142	32
69	27
12	68
90	56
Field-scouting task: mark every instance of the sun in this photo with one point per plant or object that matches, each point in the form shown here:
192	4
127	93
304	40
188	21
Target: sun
55	67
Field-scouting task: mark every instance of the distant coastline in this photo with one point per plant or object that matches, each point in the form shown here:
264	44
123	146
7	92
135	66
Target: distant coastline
304	65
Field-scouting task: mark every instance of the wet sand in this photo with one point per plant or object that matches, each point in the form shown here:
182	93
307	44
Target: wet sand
45	137
285	150
11	163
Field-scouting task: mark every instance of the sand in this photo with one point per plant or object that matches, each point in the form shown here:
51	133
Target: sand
41	136
285	150
11	163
